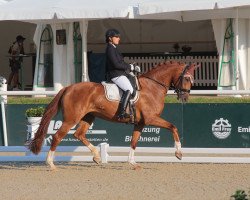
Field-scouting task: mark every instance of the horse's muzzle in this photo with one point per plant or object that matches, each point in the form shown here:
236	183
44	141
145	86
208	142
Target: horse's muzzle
183	97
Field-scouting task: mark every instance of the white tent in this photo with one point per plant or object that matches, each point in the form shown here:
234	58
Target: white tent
218	11
2	2
172	9
231	3
191	10
61	14
36	10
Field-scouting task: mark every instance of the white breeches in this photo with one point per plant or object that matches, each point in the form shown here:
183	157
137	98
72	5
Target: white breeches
123	83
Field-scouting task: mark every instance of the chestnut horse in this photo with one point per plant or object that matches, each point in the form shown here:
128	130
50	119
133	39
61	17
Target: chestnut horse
82	102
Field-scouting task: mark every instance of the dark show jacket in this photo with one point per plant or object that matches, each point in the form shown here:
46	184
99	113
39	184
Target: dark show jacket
115	65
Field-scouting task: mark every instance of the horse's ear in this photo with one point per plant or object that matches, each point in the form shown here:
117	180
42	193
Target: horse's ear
193	67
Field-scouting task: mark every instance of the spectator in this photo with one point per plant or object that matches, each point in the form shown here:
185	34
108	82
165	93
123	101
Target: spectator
15	62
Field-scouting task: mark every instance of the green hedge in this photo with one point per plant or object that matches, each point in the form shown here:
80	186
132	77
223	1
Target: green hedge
210	99
168	99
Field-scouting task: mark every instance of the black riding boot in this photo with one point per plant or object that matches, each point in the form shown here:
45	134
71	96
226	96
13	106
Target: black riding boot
123	105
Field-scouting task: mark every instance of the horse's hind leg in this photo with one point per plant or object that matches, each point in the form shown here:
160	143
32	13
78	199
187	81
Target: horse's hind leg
81	135
57	138
134	141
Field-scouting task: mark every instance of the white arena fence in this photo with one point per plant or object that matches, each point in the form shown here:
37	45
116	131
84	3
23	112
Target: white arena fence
205	75
191	155
157	154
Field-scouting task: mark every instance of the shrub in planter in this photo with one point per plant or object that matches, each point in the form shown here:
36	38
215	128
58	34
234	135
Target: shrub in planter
35	112
34	115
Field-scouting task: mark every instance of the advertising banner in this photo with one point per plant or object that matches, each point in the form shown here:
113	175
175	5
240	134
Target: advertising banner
16	123
116	134
1	128
199	125
217	125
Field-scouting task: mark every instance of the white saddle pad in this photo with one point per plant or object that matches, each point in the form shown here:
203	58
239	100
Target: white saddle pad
114	93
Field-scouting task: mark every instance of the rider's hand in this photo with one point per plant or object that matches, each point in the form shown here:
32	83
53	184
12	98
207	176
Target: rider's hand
132	67
137	68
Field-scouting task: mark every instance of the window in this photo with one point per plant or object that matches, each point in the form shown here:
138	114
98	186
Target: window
45	62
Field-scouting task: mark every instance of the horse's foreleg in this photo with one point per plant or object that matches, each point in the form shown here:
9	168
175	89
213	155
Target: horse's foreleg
159	122
81	135
50	160
60	134
96	154
134	141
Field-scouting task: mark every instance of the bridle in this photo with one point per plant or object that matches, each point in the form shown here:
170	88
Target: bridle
179	90
184	74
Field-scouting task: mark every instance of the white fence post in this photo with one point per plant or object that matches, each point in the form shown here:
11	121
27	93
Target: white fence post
104	153
3	87
3	100
195	155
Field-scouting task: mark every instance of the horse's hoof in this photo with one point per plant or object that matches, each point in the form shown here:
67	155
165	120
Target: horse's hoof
53	169
51	166
137	167
178	154
97	160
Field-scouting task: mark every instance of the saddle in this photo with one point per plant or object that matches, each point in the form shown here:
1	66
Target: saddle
114	93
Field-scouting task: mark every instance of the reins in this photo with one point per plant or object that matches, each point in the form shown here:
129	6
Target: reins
161	84
174	87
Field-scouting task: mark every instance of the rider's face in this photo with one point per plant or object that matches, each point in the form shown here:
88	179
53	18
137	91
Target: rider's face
115	40
20	42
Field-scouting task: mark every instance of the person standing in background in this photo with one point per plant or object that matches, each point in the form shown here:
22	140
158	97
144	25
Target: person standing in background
15	62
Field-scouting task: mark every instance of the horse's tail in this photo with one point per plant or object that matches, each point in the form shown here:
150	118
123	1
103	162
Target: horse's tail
51	110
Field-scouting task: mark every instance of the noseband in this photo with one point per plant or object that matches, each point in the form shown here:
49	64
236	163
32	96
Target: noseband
179	82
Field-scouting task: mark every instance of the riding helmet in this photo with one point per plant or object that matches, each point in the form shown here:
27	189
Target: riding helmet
20	37
111	33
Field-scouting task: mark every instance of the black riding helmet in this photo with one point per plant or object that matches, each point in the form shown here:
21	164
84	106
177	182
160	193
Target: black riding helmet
20	38
111	33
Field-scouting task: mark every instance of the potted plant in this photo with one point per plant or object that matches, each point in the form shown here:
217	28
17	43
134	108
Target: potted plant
34	115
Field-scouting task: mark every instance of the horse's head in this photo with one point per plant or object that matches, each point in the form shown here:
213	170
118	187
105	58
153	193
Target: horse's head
183	81
175	75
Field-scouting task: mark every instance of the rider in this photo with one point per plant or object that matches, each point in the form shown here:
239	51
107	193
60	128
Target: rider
117	70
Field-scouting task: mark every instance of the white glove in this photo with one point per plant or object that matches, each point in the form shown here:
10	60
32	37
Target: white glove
132	67
137	68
